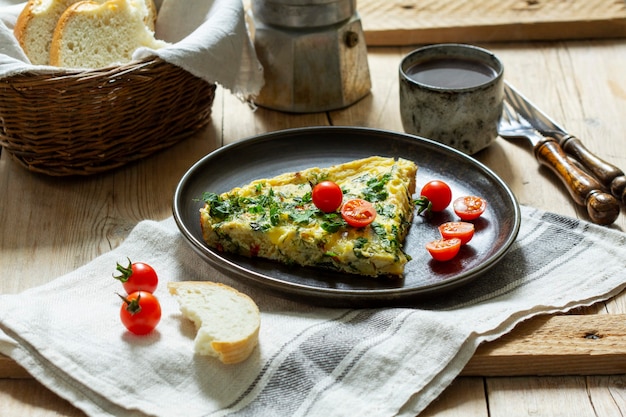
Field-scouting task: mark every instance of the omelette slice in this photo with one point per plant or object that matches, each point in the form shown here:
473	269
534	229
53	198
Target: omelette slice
275	218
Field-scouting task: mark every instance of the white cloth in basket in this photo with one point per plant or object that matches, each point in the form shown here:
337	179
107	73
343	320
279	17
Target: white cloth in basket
209	39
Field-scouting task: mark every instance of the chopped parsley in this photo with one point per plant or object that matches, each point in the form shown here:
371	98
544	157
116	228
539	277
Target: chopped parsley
375	188
306	198
331	222
387	210
274	215
359	245
219	207
301	216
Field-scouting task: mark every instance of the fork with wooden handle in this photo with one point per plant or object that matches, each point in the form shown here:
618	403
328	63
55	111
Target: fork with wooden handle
610	176
585	190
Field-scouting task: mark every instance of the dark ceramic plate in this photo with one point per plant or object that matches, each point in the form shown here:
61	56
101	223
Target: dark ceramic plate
274	153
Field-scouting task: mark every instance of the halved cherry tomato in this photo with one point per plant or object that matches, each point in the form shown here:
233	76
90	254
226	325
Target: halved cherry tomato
137	276
462	230
438	193
358	212
444	249
140	312
469	207
327	196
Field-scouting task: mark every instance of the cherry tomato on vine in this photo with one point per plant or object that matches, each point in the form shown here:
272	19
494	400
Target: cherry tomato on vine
461	230
469	207
140	312
444	249
435	196
327	196
137	276
358	212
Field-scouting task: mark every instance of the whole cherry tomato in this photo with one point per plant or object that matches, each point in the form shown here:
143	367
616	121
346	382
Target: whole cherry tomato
140	312
462	230
327	196
358	212
444	249
137	276
469	207
435	196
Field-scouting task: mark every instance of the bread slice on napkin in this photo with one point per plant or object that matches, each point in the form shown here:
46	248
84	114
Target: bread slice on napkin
227	321
36	24
94	35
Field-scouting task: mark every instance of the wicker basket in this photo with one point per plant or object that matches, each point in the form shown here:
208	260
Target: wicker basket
85	122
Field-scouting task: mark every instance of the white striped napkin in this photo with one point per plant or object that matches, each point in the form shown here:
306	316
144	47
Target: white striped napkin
310	361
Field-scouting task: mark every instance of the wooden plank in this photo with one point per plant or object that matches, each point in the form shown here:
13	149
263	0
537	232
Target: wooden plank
592	344
410	22
556	345
465	397
30	398
11	370
542	396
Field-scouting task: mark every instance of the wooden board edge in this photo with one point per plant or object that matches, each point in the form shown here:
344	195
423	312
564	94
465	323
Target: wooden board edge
548	365
610	29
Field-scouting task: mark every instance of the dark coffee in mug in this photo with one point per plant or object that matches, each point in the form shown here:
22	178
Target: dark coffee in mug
451	72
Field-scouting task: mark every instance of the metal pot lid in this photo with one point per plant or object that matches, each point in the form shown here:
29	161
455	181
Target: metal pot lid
303	13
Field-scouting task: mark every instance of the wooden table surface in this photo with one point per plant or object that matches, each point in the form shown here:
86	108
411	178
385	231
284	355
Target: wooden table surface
51	226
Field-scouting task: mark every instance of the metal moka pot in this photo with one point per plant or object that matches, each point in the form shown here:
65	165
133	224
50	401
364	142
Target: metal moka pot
313	54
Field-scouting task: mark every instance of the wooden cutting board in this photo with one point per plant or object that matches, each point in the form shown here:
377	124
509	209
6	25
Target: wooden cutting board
410	22
593	344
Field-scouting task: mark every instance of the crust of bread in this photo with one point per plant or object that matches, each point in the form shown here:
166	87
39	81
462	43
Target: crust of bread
230	332
22	23
152	15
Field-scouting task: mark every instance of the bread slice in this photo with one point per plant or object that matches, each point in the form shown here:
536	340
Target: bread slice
227	321
36	24
94	35
275	218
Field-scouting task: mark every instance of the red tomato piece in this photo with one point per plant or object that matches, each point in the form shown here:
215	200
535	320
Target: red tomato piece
444	249
137	276
462	230
140	312
358	212
327	196
438	194
469	207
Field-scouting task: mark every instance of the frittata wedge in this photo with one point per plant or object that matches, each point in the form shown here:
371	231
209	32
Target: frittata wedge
276	219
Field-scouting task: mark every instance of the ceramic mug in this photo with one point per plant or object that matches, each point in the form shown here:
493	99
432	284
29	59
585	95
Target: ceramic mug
452	93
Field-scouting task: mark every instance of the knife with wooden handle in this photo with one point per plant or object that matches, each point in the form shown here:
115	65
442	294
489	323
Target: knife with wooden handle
607	174
584	189
602	207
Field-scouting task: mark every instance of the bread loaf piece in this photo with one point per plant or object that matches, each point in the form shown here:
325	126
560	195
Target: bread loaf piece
36	24
94	35
227	321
